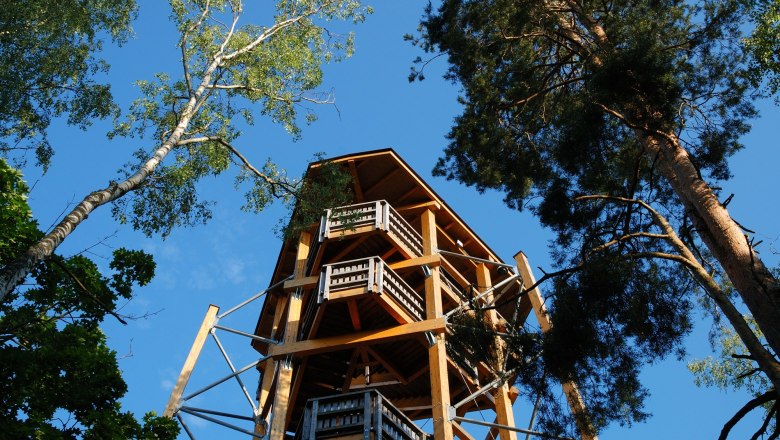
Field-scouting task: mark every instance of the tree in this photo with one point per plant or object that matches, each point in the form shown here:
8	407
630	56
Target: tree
612	121
47	67
229	71
59	378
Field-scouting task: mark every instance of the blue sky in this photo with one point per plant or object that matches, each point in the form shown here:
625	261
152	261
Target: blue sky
232	257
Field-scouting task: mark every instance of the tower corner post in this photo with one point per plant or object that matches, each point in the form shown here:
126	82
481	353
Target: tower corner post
437	352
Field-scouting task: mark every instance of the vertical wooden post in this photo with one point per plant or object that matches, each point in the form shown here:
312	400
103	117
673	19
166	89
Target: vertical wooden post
573	395
189	363
503	404
437	353
269	372
284	379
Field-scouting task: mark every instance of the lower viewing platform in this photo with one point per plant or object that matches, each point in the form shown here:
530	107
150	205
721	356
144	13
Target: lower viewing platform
358	415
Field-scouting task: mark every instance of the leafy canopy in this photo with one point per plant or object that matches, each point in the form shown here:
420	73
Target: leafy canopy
48	65
59	378
558	98
278	79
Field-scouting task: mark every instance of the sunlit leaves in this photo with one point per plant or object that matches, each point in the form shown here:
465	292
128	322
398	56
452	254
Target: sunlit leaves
48	60
271	70
764	47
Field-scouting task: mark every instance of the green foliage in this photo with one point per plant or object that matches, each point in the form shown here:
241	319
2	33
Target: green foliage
58	378
763	45
277	78
324	187
17	228
726	371
553	111
48	65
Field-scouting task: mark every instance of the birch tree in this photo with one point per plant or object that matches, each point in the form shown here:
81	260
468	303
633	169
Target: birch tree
230	70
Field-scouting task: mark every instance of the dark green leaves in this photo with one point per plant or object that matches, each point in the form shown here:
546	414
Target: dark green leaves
559	101
58	378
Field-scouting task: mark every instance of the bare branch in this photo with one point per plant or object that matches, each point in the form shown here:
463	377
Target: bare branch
273	183
751	405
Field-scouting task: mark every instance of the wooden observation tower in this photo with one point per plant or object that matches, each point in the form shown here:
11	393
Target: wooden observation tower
353	331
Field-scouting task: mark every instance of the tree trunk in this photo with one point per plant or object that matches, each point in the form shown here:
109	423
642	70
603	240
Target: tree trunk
723	237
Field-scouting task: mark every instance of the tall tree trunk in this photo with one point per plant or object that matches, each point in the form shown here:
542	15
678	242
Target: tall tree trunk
725	239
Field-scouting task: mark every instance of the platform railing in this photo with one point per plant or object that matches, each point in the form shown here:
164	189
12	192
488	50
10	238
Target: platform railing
370	216
396	225
372	275
364	414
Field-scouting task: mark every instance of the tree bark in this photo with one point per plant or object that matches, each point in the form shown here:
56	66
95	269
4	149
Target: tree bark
722	236
753	404
758	288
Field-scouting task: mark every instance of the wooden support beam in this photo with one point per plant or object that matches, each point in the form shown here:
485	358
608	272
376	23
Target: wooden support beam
493	432
502	403
189	363
281	308
296	386
430	260
418	207
394	309
504	414
460	432
344	342
269	373
376	379
351	247
455	273
351	366
388	254
347	294
303	283
570	389
354	315
412	377
284	380
387	365
356	181
407	404
453	242
281	401
379	183
437	353
413	190
269	376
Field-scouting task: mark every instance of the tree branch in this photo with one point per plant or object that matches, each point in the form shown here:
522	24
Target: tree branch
751	405
56	259
288	188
